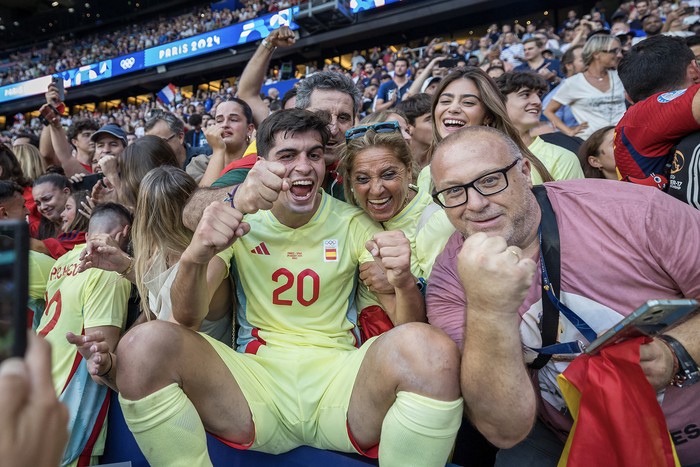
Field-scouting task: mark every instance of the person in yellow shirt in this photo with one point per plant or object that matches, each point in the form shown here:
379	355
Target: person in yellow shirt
300	380
78	304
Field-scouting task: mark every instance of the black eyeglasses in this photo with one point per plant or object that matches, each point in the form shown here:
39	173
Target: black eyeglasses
167	140
487	185
381	127
613	51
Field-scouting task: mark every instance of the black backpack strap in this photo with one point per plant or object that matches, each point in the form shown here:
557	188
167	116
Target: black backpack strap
551	254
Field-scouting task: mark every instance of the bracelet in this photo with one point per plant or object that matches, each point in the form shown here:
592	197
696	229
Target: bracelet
128	269
231	195
268	45
688	372
676	365
110	366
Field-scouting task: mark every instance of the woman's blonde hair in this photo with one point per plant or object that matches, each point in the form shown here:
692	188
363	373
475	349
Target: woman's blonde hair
393	141
384	116
495	108
30	160
137	160
158	229
596	43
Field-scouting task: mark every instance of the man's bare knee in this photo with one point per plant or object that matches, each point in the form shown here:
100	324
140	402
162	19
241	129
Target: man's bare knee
144	357
424	359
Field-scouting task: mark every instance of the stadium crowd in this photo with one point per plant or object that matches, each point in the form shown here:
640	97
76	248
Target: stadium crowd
403	257
64	53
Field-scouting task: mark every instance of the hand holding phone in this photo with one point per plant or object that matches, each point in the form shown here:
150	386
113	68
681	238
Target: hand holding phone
14	287
651	319
48	114
58	82
447	63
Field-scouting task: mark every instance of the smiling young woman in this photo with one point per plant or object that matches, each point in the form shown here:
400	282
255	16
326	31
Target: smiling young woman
468	97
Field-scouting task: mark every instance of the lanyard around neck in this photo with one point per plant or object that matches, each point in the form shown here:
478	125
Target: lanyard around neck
577	321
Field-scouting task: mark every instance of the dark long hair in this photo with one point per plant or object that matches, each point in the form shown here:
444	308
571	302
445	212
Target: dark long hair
47	229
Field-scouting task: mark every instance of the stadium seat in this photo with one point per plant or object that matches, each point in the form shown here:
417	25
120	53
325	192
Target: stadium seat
121	447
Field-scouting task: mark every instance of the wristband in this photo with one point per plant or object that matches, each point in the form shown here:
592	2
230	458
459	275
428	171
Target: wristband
422	285
688	373
110	366
231	195
268	45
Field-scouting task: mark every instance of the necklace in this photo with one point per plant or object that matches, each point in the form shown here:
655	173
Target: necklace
601	78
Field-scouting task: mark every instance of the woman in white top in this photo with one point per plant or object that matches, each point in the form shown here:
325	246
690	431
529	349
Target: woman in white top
596	95
159	237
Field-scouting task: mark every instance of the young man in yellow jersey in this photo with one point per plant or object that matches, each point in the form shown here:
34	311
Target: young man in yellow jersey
91	302
298	378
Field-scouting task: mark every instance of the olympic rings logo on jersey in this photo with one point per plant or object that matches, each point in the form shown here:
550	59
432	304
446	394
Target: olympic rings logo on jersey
127	63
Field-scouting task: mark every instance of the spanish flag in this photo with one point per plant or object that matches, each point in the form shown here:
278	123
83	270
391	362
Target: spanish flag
617	419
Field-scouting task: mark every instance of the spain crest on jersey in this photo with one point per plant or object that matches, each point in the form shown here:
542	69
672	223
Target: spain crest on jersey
330	250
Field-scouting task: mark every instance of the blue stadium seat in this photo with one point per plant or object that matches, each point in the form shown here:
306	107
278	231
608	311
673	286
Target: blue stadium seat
121	447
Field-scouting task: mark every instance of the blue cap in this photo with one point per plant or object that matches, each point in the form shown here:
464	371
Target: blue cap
113	130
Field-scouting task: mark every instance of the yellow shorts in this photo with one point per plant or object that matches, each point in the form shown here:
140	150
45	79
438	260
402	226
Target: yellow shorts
297	396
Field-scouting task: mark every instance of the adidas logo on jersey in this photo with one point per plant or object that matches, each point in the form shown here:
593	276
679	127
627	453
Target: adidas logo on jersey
260	250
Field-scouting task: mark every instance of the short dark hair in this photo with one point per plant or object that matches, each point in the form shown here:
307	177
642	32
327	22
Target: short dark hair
537	42
656	64
195	119
402	59
691	41
568	57
112	210
290	121
78	126
328	81
414	106
174	122
8	188
287	96
33	139
513	81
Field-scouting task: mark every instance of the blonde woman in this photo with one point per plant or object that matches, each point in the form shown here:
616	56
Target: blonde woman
30	160
595	96
159	237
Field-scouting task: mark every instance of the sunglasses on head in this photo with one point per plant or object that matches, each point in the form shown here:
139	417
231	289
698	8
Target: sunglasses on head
381	127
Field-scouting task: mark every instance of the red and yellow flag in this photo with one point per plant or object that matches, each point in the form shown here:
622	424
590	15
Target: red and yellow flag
617	419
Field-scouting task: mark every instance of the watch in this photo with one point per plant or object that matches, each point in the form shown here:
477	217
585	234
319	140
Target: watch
688	373
422	285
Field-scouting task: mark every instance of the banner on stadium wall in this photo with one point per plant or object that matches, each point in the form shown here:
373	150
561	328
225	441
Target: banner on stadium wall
230	36
363	5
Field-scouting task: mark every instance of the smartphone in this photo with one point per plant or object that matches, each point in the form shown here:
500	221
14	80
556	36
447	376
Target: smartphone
447	63
58	82
88	182
650	319
14	287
